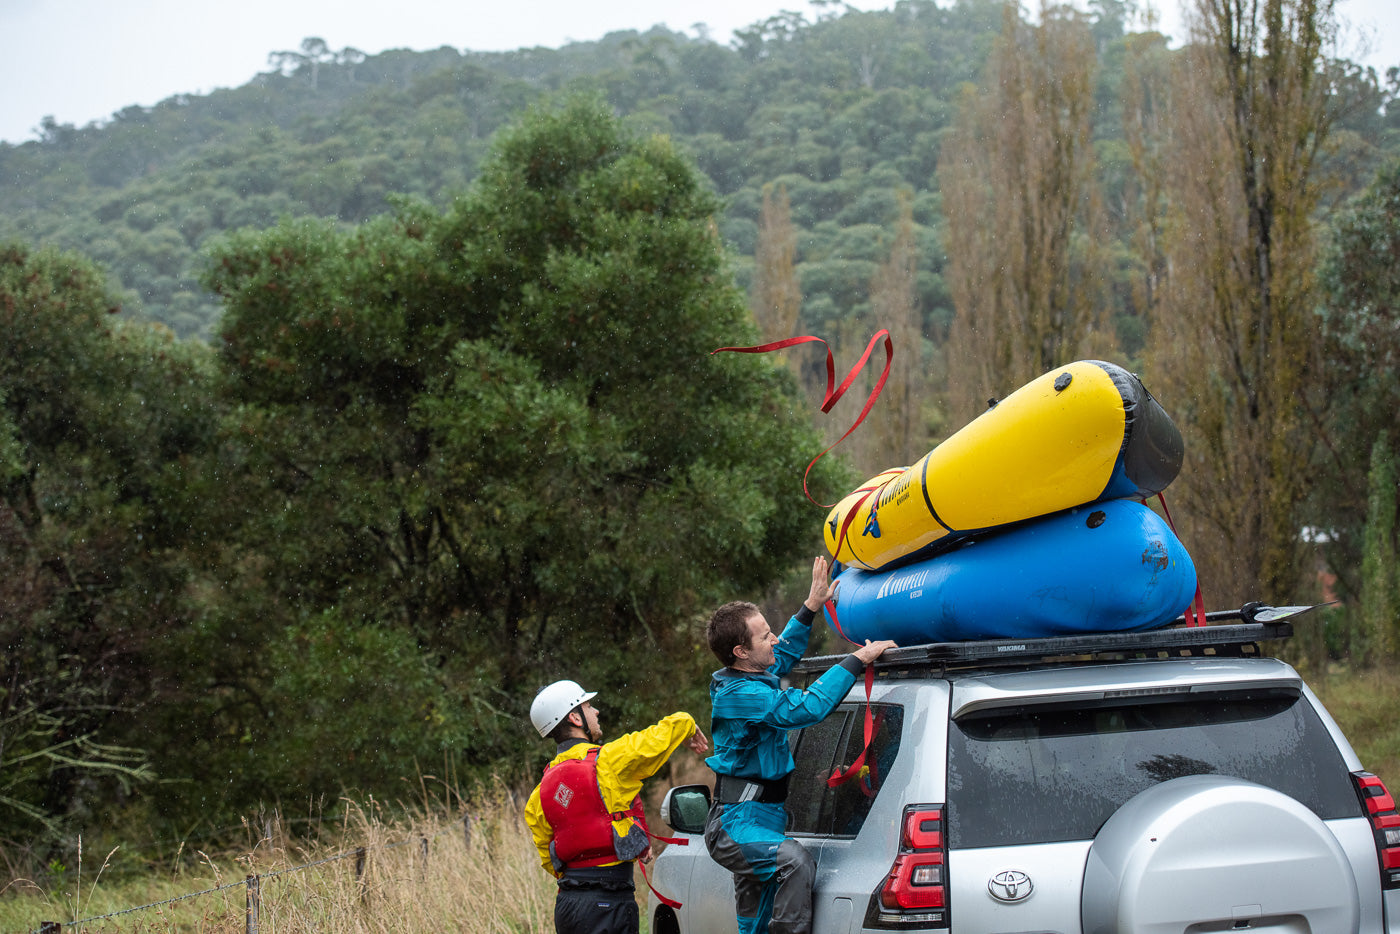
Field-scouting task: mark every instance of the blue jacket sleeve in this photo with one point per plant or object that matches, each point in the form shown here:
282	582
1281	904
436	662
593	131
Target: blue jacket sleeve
798	708
791	708
793	642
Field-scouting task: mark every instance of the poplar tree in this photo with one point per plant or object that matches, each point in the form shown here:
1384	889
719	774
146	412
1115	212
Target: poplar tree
896	426
1375	640
776	295
1017	182
1236	336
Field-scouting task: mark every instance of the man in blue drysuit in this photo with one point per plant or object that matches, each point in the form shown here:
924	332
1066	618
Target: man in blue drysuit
752	714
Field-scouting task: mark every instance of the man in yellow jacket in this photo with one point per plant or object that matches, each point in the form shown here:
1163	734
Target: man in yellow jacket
586	814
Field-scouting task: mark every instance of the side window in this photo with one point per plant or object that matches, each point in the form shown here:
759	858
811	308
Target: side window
815	756
854	797
837	742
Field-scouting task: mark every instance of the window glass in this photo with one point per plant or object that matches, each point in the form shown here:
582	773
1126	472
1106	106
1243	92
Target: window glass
852	799
1031	775
837	741
814	756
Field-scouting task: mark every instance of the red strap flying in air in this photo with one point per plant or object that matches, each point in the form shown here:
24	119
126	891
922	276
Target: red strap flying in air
831	394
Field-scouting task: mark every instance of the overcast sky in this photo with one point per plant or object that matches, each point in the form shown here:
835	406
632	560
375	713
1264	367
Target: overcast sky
83	60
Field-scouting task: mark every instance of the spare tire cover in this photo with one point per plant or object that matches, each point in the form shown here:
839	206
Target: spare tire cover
1207	853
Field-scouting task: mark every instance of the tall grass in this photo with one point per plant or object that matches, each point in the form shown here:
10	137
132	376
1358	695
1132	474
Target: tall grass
492	884
1366	705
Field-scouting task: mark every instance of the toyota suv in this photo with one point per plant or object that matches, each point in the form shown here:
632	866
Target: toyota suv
1171	781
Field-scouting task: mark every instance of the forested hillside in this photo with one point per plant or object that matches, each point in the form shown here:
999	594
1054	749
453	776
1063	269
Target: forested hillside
842	112
432	418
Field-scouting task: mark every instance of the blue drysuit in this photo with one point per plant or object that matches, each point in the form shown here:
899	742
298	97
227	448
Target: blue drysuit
751	717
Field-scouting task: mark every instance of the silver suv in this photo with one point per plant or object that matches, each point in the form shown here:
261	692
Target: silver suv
1171	781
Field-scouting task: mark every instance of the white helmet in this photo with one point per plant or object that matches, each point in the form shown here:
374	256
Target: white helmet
555	702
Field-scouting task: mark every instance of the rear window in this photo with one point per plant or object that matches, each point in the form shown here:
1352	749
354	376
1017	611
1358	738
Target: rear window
1038	775
837	741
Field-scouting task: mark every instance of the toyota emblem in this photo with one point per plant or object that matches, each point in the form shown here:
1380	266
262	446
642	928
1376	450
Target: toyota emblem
1010	885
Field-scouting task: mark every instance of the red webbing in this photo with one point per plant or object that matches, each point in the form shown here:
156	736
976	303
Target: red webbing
1195	612
638	815
839	777
668	902
831	394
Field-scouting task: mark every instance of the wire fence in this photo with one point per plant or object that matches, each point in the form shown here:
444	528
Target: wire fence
253	881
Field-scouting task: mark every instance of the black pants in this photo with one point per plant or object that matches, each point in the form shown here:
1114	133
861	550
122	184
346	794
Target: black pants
597	901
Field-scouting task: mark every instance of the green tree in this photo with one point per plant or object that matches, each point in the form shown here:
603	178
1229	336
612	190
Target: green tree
500	428
356	706
314	53
1359	310
99	419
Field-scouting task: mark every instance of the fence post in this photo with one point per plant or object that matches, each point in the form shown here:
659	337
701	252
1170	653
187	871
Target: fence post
467	830
423	848
360	870
252	926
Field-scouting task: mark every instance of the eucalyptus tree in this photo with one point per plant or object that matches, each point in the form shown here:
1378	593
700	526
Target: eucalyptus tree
1359	312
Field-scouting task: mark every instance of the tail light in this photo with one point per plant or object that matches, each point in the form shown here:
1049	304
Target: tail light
915	890
1385	823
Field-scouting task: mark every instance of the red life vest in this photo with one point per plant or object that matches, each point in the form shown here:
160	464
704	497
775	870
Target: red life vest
583	827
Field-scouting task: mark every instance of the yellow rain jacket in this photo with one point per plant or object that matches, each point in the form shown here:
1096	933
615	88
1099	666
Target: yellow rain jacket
622	765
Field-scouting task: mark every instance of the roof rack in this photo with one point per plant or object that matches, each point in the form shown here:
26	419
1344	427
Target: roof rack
1263	623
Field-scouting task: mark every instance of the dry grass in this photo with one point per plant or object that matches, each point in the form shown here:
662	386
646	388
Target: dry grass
492	884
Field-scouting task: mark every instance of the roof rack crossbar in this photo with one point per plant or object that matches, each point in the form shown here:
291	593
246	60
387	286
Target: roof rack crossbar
1224	640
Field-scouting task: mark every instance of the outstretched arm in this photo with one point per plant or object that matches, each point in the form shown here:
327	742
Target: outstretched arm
639	755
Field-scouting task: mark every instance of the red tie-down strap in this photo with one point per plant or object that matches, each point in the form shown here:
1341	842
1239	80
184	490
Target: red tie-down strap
865	493
839	777
870	780
831	394
639	816
1195	612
